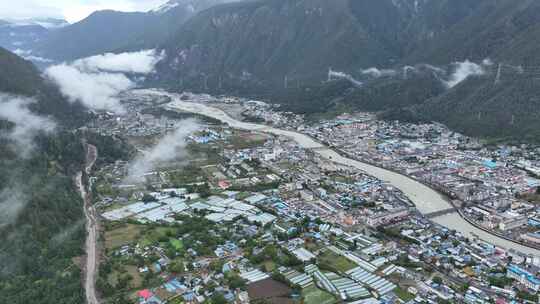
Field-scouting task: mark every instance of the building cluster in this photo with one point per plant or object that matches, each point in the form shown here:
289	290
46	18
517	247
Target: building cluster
283	224
495	186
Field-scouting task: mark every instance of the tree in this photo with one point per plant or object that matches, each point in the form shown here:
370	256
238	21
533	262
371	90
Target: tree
218	298
438	280
176	267
235	281
147	198
216	265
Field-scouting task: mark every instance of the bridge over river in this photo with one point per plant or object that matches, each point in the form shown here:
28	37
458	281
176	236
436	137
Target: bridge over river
439	213
426	200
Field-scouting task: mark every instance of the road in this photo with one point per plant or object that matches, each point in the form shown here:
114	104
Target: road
425	198
92	229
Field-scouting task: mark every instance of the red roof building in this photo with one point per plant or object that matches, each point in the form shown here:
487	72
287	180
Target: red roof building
224	185
145	294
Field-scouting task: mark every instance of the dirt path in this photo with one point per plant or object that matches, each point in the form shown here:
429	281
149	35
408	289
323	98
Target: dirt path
92	229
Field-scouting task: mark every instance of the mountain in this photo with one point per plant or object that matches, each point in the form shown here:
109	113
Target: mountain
20	36
109	31
21	77
48	23
279	48
493	29
18	75
100	32
264	41
41	225
433	54
482	107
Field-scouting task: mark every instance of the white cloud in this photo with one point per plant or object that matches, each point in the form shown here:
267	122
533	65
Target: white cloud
12	202
27	124
341	75
462	71
27	54
172	146
142	62
487	62
376	73
97	91
96	81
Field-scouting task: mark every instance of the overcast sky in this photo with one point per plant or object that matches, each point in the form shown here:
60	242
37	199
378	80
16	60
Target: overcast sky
71	10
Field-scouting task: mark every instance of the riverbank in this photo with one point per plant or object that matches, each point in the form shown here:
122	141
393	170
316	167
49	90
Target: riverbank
92	228
425	198
449	200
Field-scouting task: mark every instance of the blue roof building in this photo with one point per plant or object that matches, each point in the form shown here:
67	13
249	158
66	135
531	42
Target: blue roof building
523	277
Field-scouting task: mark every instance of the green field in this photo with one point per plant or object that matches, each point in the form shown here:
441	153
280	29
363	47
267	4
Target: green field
313	295
121	236
403	294
177	244
335	261
159	234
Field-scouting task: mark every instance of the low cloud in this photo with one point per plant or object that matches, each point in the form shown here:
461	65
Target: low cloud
341	75
450	77
171	147
27	125
96	81
376	73
97	91
142	62
462	70
404	72
487	62
27	54
12	202
68	233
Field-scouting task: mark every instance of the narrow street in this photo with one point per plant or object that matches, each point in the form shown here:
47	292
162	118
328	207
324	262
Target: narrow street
92	229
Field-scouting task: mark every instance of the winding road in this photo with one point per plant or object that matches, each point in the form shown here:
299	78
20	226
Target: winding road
426	199
92	229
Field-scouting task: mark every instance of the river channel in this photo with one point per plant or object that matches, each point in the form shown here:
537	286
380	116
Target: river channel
425	199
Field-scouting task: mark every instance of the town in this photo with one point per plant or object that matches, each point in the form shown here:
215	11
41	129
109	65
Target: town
246	216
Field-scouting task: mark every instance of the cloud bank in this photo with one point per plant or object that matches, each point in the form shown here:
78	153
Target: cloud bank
340	75
172	146
142	62
97	91
26	124
96	81
27	54
462	70
449	76
376	73
12	202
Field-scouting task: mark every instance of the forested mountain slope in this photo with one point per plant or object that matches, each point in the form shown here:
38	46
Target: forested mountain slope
274	48
21	77
41	217
114	31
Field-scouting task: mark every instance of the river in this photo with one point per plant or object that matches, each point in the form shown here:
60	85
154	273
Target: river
92	229
425	199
